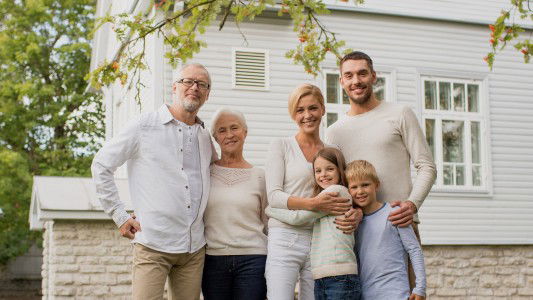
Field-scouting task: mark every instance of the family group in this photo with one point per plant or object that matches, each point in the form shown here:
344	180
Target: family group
335	217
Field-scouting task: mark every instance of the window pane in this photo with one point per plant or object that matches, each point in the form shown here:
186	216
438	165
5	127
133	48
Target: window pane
331	118
475	141
379	88
473	97
430	90
459	175
430	134
345	99
476	175
448	175
459	97
452	141
445	95
332	82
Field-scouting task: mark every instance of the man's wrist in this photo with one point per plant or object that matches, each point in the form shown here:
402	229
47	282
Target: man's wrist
413	206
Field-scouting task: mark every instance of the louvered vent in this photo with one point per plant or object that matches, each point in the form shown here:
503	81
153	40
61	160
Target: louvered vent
250	69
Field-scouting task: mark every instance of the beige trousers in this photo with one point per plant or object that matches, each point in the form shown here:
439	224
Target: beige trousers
151	269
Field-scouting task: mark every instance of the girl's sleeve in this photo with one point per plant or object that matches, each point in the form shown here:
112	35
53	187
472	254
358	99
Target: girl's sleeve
413	248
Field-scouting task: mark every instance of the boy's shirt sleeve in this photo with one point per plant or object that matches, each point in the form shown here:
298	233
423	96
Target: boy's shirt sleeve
413	248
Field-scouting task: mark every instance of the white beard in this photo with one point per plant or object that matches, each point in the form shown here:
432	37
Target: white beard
189	106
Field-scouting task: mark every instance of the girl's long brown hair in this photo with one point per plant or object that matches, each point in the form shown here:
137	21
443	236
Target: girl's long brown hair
335	157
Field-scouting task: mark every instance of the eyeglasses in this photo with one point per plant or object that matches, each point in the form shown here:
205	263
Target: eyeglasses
190	82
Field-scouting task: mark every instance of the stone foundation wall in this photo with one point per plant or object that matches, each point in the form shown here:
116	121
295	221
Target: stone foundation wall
85	260
479	272
90	260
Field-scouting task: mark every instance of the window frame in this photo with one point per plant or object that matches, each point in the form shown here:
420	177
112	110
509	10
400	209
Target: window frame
481	116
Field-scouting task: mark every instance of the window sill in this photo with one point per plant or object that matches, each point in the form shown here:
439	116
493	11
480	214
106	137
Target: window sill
443	192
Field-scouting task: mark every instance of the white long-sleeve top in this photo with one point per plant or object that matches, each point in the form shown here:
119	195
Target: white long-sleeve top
153	148
288	173
389	137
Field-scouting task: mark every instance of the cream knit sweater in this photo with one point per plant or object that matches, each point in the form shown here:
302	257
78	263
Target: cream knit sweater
235	222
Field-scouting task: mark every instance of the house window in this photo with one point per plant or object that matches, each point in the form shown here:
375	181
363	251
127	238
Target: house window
338	103
250	69
454	126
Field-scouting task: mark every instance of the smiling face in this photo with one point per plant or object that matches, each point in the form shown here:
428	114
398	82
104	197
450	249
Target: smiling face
326	172
193	97
363	192
308	114
357	79
230	134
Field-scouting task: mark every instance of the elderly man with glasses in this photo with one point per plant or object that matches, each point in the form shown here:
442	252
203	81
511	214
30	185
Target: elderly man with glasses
168	152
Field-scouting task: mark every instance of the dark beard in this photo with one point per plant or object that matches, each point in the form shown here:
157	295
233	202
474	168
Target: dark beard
364	99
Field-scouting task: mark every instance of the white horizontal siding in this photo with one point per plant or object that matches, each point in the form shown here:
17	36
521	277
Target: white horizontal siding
478	11
405	46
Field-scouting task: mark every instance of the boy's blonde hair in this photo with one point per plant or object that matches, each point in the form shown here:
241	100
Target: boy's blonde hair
361	169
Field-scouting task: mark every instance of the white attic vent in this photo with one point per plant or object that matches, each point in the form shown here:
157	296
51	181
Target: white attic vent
250	69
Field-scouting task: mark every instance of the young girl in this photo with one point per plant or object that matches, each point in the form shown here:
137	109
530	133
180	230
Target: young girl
333	261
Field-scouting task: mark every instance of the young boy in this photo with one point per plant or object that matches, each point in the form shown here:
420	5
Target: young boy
382	248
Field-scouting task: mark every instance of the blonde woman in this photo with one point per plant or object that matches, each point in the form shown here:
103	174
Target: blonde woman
289	179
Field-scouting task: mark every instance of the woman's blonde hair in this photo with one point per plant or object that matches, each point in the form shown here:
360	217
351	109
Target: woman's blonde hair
335	157
301	91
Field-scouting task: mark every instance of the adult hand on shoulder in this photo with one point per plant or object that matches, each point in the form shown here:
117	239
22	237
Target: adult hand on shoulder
416	297
130	227
403	216
332	204
349	222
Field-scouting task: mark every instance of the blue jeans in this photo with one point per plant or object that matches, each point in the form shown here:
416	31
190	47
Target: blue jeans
342	287
234	277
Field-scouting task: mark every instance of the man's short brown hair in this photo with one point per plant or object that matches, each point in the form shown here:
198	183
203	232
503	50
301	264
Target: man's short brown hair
360	170
357	55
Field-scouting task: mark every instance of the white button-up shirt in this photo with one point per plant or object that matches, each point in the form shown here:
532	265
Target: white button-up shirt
160	188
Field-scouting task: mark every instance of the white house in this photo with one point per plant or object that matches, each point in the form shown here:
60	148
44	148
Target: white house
477	222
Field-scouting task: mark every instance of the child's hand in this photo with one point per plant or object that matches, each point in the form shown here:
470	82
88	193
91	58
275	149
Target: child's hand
416	297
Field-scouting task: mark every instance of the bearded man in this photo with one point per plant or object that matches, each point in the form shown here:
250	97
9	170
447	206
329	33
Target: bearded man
387	135
168	152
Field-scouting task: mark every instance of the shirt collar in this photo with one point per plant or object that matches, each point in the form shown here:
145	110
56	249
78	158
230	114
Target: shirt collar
165	116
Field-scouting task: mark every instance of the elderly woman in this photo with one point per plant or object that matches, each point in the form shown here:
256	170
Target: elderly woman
235	220
289	178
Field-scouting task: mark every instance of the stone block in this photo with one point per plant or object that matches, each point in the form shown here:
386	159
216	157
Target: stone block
66	268
483	262
514	281
61	279
120	290
82	279
525	291
119	269
450	292
64	291
88	260
502	291
92	269
489	281
105	279
123	278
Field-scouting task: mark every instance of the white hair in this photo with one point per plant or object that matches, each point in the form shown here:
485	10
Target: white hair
196	65
227	111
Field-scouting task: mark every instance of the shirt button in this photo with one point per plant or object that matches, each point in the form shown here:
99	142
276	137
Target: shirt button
186	187
182	169
181	150
188	206
179	130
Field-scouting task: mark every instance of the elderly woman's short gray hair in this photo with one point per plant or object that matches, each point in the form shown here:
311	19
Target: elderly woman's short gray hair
227	111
